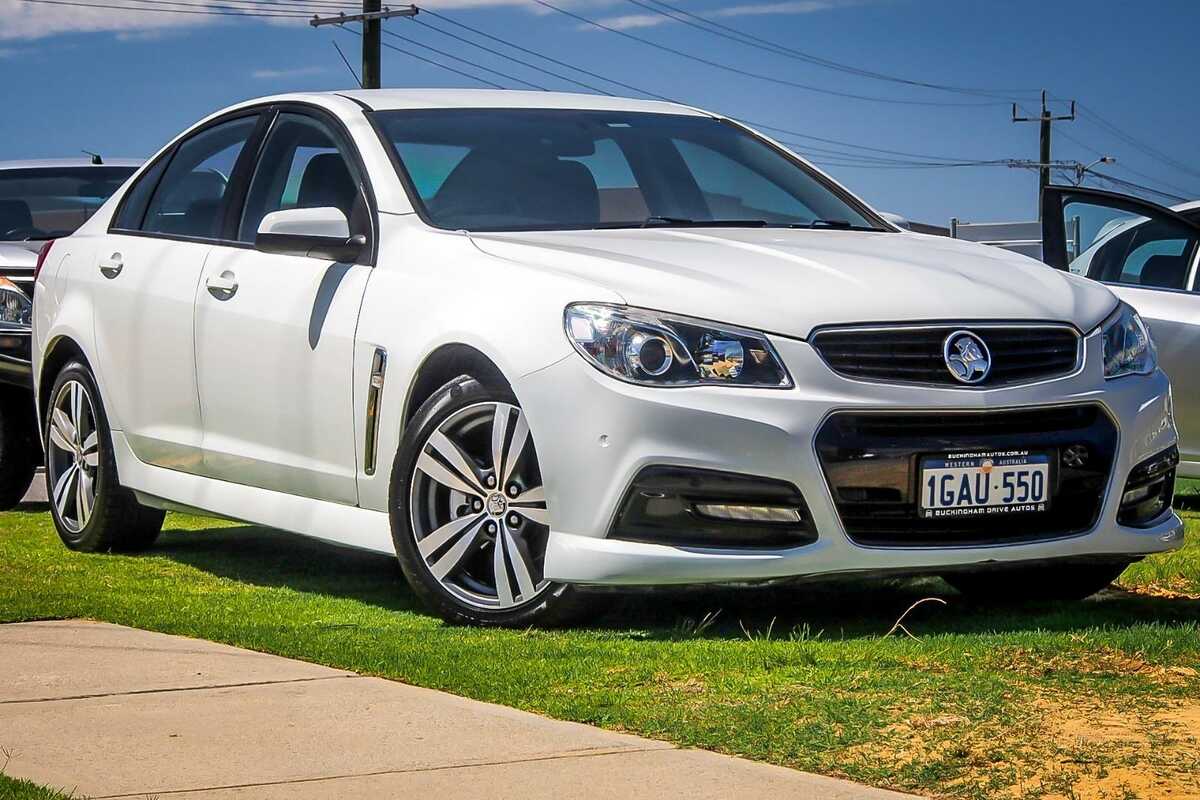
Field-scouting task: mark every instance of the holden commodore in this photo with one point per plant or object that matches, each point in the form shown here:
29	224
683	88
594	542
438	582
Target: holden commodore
532	343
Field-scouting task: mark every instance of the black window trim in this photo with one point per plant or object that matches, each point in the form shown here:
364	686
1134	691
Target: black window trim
314	111
239	182
245	158
1054	235
418	205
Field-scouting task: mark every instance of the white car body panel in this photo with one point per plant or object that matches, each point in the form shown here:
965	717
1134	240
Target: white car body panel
257	411
860	276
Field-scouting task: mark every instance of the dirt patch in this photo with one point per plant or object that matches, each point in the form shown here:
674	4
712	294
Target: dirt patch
1053	748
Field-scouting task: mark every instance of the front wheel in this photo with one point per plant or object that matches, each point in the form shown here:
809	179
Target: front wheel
91	510
1062	582
468	512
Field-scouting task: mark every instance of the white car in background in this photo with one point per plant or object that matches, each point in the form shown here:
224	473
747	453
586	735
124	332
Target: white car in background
1150	257
535	342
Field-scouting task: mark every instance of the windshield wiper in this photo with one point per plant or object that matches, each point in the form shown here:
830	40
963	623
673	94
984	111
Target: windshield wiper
841	224
657	221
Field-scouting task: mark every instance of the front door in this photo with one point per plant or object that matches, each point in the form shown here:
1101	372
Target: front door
1148	256
144	283
275	333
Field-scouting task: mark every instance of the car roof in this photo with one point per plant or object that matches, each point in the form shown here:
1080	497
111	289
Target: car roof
395	99
52	163
1191	205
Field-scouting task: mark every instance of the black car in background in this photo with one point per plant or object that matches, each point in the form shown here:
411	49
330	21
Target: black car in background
39	201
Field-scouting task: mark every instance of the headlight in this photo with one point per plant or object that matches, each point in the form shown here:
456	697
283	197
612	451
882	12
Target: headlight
15	306
655	349
1128	348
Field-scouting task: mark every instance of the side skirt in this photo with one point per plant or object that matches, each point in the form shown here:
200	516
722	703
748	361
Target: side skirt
320	519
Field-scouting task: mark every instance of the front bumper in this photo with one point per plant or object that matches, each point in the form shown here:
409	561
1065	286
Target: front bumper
594	435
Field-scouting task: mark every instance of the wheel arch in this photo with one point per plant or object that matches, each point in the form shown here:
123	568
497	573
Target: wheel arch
444	364
61	350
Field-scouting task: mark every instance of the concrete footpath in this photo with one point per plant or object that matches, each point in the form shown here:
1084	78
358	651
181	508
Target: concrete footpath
108	711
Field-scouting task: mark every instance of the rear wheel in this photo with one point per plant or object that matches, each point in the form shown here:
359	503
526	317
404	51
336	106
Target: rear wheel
1062	582
91	511
469	515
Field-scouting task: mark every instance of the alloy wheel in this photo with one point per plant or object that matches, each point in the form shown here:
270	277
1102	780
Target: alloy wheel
73	456
478	508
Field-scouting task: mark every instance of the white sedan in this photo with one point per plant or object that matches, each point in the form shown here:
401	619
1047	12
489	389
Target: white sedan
532	343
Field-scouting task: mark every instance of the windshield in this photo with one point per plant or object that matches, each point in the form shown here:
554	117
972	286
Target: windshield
534	169
49	202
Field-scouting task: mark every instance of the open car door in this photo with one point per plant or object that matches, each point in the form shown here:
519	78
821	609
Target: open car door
1148	256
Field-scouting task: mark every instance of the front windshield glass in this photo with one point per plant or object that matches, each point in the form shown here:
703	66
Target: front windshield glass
49	202
550	169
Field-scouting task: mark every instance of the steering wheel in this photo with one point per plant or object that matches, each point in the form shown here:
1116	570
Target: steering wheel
23	234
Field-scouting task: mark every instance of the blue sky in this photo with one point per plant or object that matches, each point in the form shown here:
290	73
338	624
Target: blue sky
124	82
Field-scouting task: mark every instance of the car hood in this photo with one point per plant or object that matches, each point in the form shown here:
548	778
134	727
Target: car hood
19	254
790	281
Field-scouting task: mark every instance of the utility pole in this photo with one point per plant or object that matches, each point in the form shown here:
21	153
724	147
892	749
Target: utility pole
372	17
1046	120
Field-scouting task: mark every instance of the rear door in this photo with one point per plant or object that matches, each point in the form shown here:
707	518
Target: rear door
144	283
1148	256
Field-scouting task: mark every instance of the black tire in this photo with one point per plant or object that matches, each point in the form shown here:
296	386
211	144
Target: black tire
1066	582
553	605
20	452
117	522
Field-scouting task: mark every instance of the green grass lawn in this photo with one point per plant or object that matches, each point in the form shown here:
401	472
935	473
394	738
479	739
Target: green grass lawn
981	703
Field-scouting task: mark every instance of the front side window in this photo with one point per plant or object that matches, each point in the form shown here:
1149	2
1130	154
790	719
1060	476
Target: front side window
51	202
546	169
190	199
302	166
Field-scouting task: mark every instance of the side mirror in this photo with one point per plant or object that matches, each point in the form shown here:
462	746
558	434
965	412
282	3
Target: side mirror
313	232
897	220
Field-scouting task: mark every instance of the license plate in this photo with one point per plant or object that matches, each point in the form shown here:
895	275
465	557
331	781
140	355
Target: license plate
983	484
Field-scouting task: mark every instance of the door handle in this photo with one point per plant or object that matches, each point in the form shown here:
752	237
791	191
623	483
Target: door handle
111	267
223	286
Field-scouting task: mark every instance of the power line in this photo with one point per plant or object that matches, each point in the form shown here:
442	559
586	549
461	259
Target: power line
528	51
209	11
430	61
514	59
1131	140
742	37
1138	186
1123	166
658	96
748	73
453	57
306	7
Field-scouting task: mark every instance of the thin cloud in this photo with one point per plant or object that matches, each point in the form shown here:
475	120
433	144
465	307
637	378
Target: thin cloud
281	74
787	7
28	21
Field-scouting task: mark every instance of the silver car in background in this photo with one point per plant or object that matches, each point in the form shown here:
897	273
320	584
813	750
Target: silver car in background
1149	256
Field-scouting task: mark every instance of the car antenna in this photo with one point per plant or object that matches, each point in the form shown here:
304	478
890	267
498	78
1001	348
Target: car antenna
96	159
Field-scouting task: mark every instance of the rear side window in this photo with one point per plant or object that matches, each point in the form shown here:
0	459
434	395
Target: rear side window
190	199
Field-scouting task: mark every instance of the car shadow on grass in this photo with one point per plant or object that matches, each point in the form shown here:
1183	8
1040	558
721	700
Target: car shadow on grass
831	608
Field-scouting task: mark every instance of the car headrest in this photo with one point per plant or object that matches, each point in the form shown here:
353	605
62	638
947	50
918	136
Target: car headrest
552	190
1165	271
14	214
327	182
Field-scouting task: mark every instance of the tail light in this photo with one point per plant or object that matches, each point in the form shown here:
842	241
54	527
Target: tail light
41	259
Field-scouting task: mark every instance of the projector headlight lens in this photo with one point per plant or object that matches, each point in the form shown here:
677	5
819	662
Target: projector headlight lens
1128	348
655	349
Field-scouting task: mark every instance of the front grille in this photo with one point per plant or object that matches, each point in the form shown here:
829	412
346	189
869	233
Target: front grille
872	464
905	354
